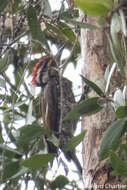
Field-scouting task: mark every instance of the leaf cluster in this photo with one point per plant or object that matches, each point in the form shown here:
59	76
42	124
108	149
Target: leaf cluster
36	28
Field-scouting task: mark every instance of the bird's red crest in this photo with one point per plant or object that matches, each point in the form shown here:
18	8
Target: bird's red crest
34	74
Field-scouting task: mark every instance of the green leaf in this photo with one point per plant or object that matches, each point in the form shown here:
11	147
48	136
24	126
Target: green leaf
24	108
9	132
10	169
106	75
123	150
123	22
9	152
36	48
30	132
112	49
115	26
54	140
16	6
53	30
3	4
121	112
118	165
45	6
94	7
20	173
70	14
18	104
38	161
117	54
29	117
85	107
67	31
111	138
4	63
118	99
81	24
59	182
93	86
74	141
109	76
61	31
34	26
2	83
118	47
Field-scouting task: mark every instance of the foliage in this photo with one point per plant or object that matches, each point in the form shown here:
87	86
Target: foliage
114	138
94	7
29	31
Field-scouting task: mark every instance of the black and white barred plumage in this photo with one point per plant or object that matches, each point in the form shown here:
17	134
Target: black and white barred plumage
56	98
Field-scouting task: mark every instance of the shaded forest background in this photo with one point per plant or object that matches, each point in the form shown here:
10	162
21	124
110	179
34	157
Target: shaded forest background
29	28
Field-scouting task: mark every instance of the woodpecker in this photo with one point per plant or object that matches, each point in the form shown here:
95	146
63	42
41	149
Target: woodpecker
56	98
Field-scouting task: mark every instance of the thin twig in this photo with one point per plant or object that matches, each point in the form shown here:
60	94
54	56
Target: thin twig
63	66
60	11
14	41
13	88
61	101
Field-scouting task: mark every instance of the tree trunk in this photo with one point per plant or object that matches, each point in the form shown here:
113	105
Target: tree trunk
96	57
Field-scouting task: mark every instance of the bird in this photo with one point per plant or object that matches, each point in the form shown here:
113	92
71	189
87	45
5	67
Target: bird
56	100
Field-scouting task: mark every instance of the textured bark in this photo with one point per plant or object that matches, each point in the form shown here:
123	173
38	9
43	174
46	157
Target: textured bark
95	57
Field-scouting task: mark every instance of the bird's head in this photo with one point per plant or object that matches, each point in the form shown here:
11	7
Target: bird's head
43	71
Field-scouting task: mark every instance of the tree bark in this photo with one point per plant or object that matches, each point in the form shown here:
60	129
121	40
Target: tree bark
95	56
